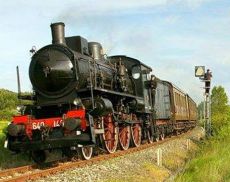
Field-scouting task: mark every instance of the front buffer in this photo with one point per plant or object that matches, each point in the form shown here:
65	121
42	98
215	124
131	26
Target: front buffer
74	129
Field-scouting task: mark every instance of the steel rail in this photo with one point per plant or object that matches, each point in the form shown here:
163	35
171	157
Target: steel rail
32	172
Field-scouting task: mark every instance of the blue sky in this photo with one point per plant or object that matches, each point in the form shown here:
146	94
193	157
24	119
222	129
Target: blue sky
172	36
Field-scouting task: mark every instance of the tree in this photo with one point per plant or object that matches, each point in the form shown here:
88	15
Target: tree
219	107
8	103
8	99
200	109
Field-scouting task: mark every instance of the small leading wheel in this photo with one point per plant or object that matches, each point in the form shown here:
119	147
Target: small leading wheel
85	153
39	156
110	136
124	137
136	134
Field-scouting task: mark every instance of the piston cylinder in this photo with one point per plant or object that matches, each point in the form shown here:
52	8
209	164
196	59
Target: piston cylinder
103	107
72	123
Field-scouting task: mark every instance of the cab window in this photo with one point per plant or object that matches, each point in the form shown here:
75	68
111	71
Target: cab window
136	72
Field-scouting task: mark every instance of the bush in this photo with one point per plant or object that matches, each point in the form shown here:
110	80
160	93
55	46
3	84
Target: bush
8	99
7	114
220	111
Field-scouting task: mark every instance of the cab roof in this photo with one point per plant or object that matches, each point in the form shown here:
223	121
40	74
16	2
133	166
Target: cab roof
136	61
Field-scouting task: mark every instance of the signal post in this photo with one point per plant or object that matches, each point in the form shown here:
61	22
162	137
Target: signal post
206	76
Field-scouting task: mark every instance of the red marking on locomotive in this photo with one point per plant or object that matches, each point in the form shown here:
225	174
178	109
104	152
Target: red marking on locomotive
34	124
20	119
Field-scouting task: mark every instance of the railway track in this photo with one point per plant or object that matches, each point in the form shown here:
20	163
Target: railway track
32	172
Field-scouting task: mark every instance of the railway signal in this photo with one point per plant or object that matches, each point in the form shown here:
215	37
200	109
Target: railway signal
206	78
199	71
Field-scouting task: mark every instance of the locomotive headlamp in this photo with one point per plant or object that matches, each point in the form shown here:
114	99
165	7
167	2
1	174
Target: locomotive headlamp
77	102
20	108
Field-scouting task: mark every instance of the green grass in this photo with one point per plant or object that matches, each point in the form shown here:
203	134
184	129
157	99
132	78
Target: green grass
7	159
211	162
3	125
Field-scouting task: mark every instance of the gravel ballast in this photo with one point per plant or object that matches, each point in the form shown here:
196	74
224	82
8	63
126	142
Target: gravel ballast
138	166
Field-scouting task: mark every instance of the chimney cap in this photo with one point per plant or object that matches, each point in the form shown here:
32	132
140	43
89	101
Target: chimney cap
57	23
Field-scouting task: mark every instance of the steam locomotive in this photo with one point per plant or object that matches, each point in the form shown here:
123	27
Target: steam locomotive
84	100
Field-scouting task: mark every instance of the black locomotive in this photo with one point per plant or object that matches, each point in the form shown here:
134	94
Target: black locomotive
83	99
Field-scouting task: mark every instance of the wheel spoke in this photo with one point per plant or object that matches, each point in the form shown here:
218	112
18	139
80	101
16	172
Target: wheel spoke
110	136
136	135
124	137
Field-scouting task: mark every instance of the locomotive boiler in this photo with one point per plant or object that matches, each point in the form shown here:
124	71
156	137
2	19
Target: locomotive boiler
83	99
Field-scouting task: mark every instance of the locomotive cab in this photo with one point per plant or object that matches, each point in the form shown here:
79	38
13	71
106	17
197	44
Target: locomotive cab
138	75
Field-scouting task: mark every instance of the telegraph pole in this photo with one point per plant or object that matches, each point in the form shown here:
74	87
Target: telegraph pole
206	76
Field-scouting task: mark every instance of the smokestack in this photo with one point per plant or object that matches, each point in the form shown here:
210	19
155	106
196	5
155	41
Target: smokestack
58	33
